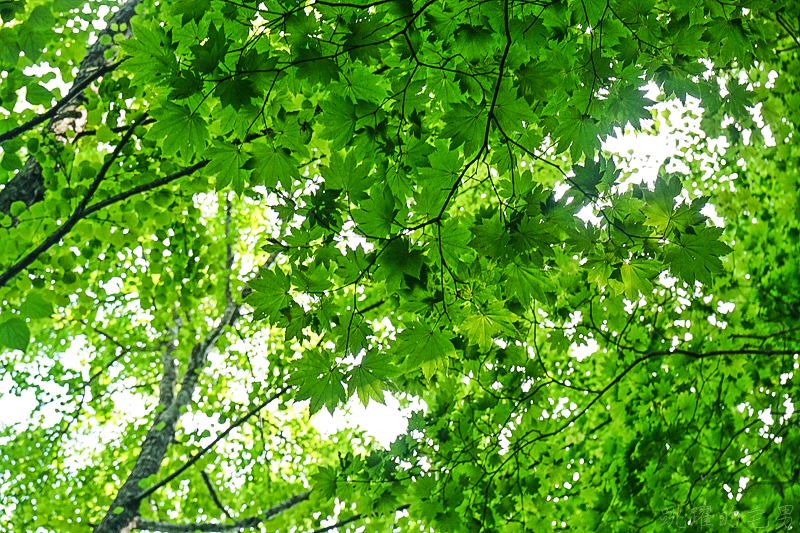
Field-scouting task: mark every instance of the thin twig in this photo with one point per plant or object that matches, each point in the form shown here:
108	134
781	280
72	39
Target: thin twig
214	495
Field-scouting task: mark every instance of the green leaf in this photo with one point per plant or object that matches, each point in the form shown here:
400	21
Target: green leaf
466	126
35	307
526	283
270	294
627	103
36	94
325	483
151	57
179	129
17	208
14	334
424	346
696	256
636	276
659	208
369	378
376	214
236	92
491	238
271	164
339	121
512	112
346	174
320	380
455	247
227	163
579	132
476	42
360	84
481	330
40	19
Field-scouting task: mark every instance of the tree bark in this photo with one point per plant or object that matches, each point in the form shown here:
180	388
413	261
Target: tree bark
28	185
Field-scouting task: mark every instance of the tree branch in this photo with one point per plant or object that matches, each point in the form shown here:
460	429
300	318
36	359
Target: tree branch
214	495
166	388
79	213
124	510
76	217
28	185
353	518
205	450
228	246
245	523
144	188
53	111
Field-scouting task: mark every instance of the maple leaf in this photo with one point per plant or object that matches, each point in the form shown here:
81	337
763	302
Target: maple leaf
270	294
696	256
319	379
579	132
455	248
360	84
339	120
534	79
466	126
481	328
227	163
352	265
659	208
526	283
325	482
627	103
344	173
476	41
236	92
636	275
376	214
179	129
271	164
445	166
424	346
150	54
491	237
369	378
512	112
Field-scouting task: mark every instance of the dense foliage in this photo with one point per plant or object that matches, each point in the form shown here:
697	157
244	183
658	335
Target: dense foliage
215	210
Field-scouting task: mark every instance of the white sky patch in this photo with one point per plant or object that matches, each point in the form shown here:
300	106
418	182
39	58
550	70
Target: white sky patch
582	351
15	409
381	422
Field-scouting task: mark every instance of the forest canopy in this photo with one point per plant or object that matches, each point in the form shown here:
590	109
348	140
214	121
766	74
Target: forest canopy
220	217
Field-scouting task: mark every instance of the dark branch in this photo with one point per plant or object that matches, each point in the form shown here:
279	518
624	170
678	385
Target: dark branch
28	185
214	495
144	188
205	450
166	388
53	111
76	217
79	213
251	522
124	510
245	523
